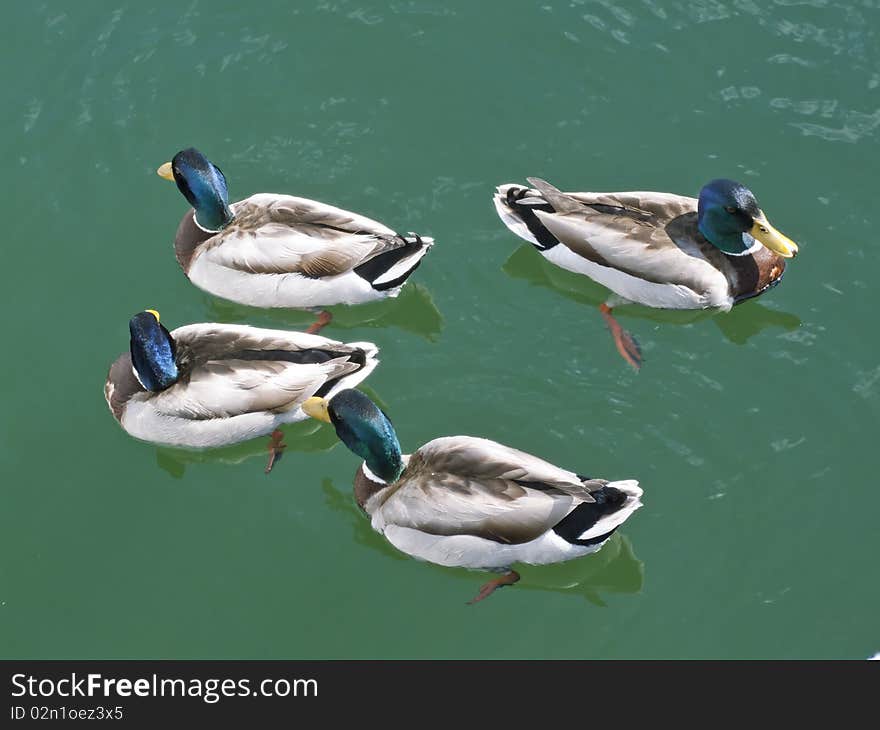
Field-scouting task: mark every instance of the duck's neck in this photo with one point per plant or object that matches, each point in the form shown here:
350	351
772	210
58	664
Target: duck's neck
366	431
733	244
213	217
366	486
372	437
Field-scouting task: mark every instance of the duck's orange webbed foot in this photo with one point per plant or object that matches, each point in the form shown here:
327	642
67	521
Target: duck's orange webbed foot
508	579
323	319
626	344
276	449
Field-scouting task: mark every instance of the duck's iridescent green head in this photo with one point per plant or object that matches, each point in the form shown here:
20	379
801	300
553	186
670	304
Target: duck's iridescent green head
152	351
361	426
203	185
729	217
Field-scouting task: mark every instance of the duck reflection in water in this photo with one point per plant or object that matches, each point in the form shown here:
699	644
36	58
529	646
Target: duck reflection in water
738	325
413	311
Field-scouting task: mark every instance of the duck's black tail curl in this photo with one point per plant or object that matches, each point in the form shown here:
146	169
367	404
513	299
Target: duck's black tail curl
392	268
516	205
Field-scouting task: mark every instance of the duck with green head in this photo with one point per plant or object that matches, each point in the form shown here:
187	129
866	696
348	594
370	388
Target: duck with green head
209	384
469	502
274	250
656	249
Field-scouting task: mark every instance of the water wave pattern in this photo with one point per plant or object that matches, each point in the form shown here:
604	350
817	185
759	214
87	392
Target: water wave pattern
807	47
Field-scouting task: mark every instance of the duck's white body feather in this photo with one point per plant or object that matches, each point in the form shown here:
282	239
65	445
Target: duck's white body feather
285	251
477	553
290	290
143	420
665	296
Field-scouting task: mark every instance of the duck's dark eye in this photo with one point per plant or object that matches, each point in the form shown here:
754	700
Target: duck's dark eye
183	186
730	209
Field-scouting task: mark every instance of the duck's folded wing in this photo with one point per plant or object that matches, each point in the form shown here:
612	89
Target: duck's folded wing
230	387
315	217
206	341
461	485
480	458
281	234
648	235
494	509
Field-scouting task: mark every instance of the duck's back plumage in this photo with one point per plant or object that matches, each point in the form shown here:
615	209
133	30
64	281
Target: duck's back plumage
645	246
285	251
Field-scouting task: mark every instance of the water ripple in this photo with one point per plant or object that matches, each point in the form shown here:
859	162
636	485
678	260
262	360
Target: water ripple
856	125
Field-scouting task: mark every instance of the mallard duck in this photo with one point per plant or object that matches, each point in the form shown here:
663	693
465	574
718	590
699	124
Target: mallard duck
470	502
273	250
656	249
206	385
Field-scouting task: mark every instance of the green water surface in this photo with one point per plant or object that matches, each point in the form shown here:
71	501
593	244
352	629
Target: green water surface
753	433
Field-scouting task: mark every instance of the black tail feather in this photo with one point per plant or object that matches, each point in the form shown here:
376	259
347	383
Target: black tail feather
375	267
357	356
585	515
526	213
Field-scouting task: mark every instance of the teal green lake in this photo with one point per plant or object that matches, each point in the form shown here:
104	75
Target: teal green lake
751	432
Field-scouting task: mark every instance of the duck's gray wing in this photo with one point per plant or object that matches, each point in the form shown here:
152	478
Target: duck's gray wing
648	235
481	458
462	485
229	388
283	234
228	370
206	341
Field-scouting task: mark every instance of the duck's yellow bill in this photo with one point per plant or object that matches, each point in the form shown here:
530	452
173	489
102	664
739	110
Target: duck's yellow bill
166	172
771	238
154	313
316	408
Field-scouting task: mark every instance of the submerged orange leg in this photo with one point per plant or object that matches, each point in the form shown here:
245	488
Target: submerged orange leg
324	318
276	449
626	344
508	579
